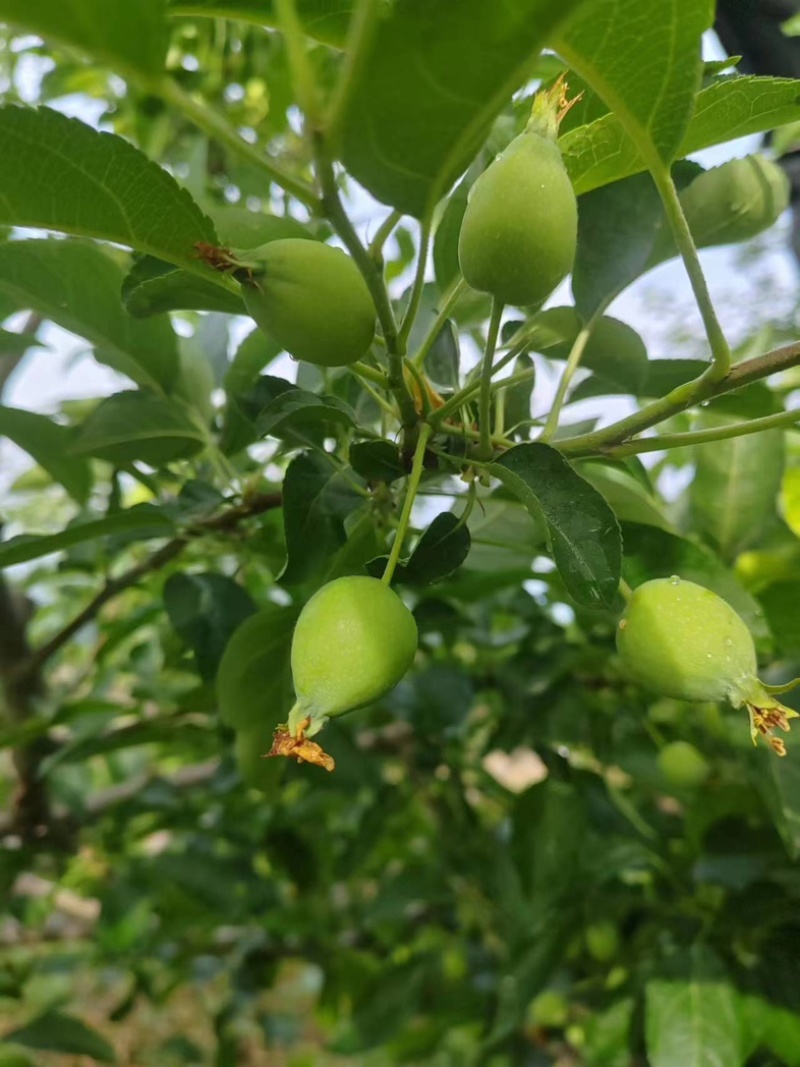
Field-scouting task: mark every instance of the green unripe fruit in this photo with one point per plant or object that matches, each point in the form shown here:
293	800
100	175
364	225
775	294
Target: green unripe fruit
682	765
602	941
311	299
736	201
680	640
354	641
548	1009
520	227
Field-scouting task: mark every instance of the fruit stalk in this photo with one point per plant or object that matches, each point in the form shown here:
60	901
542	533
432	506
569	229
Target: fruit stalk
720	350
573	362
408	503
485	402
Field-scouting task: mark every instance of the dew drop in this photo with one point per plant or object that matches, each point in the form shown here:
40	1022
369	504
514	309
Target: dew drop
708	655
674	580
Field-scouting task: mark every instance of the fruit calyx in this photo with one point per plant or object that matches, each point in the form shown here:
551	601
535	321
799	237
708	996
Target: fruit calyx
296	745
766	714
549	108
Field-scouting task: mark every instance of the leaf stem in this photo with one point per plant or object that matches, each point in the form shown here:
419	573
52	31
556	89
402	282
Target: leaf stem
212	123
371	373
419	279
469	391
720	350
408	503
449	299
702	437
375	247
485	401
573	362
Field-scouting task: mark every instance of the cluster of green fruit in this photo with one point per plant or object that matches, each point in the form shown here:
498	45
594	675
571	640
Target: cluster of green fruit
355	638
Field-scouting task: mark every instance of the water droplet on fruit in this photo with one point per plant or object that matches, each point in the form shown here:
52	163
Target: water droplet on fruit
708	655
729	641
674	580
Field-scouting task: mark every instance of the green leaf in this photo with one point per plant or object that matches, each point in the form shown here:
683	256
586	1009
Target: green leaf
298	411
205	609
779	783
254	680
131	38
585	535
694	1022
77	284
153	286
732	107
440	551
317	498
52	1031
773	1027
57	173
517	410
377	461
736	482
443	358
608	1035
619	225
780	600
134	426
144	520
326	20
48	443
629	499
436	77
643	58
252	355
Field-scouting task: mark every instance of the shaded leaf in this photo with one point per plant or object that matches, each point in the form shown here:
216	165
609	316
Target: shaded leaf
48	443
144	520
254	680
53	1031
205	609
131	38
377	461
435	79
317	498
135	426
153	286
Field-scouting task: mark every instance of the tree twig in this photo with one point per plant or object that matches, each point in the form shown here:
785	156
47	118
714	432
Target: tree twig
225	521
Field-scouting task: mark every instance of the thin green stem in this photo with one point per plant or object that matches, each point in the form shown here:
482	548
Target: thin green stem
703	437
382	403
336	214
305	85
216	126
720	350
573	362
450	298
360	35
485	401
471	390
408	503
371	373
455	430
419	279
499	411
375	247
625	590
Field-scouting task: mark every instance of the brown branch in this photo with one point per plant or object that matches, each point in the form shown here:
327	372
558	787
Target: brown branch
226	521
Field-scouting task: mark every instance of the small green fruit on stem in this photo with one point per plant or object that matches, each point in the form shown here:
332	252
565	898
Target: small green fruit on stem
681	640
311	299
519	232
353	642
